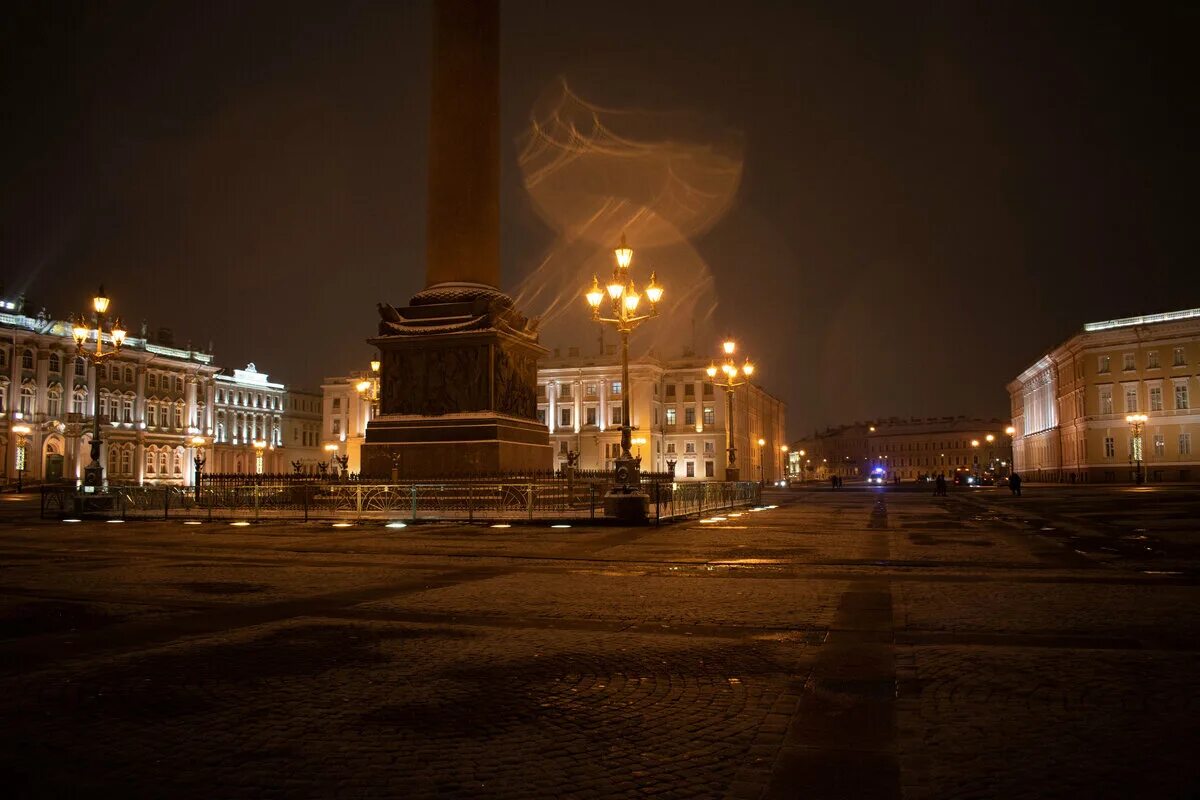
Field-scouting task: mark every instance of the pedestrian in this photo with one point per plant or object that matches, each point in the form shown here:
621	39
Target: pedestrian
939	486
833	481
1014	483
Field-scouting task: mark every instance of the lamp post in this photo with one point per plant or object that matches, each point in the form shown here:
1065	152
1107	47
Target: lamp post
625	499
761	462
783	460
198	461
1136	422
735	376
369	388
93	473
1012	449
21	431
975	458
639	441
990	439
259	446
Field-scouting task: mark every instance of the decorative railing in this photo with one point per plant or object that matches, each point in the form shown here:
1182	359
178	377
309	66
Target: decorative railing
525	498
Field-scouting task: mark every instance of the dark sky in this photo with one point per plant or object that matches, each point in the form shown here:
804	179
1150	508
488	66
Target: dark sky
933	194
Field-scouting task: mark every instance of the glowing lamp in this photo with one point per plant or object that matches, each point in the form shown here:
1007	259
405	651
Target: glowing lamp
802	453
21	430
729	345
363	386
654	292
374	365
259	444
100	301
330	448
783	447
728	369
974	443
632	298
712	370
748	368
990	438
595	294
80	333
761	442
118	334
624	254
1010	430
615	287
197	441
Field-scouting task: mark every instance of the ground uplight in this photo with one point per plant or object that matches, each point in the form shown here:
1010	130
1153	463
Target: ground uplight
72	520
560	526
502	525
239	524
115	520
396	525
343	524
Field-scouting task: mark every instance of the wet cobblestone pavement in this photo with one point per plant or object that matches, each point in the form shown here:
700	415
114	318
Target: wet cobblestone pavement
855	644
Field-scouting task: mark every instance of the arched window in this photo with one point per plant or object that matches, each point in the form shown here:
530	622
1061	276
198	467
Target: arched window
3	396
220	431
113	460
179	415
127	460
179	384
28	399
150	451
27	359
79	401
178	462
162	463
55	363
152	414
127	409
54	401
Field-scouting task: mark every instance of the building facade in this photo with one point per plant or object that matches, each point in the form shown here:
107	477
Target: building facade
153	397
676	413
248	433
1070	407
906	449
345	412
302	429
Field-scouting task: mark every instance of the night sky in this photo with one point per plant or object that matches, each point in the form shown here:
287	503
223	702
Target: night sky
931	197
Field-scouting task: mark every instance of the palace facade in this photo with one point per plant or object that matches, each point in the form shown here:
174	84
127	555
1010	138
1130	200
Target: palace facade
1070	406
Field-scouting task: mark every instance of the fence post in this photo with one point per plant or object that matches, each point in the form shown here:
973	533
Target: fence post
657	508
592	501
530	501
358	501
470	502
255	489
414	502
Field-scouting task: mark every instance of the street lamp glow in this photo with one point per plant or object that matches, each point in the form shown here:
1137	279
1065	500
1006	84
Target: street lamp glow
990	438
615	287
632	298
363	386
197	441
712	370
654	292
118	333
595	294
1010	430
79	332
974	443
330	448
100	301
783	447
1136	418
748	368
374	365
624	254
729	346
761	442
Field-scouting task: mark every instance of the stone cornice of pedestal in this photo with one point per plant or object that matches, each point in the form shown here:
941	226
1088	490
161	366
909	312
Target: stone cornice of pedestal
451	308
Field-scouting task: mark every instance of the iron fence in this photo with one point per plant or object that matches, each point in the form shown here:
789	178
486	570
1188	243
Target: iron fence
516	498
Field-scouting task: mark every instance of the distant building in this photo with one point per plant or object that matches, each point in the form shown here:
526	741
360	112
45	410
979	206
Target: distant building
674	407
249	409
1069	407
903	448
153	398
302	429
345	412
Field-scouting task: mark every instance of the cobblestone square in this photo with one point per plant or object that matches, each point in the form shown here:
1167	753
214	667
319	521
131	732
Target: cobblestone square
861	643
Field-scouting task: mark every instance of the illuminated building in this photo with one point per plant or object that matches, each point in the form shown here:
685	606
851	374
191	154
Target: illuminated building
905	448
1072	408
302	429
153	397
674	407
345	412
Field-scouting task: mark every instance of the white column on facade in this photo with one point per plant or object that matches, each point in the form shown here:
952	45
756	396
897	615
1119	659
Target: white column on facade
602	412
189	399
699	406
578	397
139	397
42	378
210	394
552	396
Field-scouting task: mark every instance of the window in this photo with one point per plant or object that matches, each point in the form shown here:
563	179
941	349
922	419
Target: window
1185	444
3	357
564	417
54	402
1131	398
709	470
708	391
616	415
689	447
691	469
541	416
1106	405
79	402
152	415
709	447
1181	395
1156	398
150	461
591	416
1179	361
670	391
151	381
670	448
129	374
670	416
55	363
562	447
564	390
591	390
27	360
689	416
337	404
689	390
1110	448
127	410
1103	364
616	387
1160	444
710	416
27	400
337	427
80	367
1152	359
1128	362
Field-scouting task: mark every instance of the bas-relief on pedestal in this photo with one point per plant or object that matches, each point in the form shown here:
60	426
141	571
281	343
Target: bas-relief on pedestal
457	396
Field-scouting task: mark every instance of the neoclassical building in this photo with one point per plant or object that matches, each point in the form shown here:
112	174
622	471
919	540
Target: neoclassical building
1070	406
249	412
153	397
673	406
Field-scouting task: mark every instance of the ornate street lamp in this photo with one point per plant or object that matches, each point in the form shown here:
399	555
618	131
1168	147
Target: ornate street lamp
93	473
259	446
198	461
1011	432
369	387
21	431
622	297
1136	422
761	461
734	376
